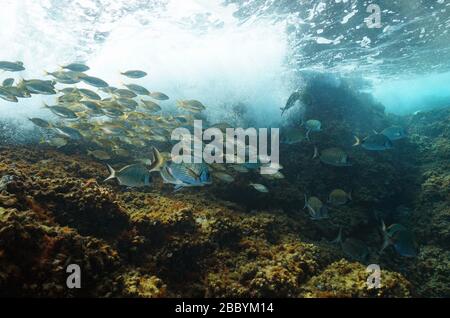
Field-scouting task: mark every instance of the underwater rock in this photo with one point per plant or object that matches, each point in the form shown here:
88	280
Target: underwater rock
222	241
85	206
137	285
433	264
266	270
344	280
35	254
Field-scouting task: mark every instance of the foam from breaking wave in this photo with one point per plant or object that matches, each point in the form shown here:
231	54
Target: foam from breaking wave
191	50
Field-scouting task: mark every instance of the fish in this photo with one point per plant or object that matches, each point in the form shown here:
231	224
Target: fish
94	81
76	67
353	248
39	87
99	154
121	152
56	142
62	112
132	176
312	125
317	210
113	112
19	91
401	238
292	136
11	66
275	175
333	157
92	106
290	102
252	165
223	177
259	187
68	80
185	174
159	96
69	98
127	103
111	129
191	105
40	122
6	95
66	77
134	74
89	94
124	93
8	82
159	138
394	133
150	106
376	142
68	132
68	90
136	175
339	197
137	89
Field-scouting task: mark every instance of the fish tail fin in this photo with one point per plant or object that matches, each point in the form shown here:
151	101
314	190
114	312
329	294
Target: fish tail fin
357	141
112	173
157	161
383	226
307	134
306	202
375	132
316	152
386	242
350	195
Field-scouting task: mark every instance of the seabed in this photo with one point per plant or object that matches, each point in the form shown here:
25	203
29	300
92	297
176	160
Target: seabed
228	240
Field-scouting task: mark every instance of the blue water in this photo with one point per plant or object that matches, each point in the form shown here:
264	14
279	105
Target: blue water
419	93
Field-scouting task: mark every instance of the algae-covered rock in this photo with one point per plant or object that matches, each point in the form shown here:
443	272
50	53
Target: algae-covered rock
229	240
265	270
35	255
140	285
344	279
432	272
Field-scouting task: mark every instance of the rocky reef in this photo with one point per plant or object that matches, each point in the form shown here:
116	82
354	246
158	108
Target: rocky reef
229	240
